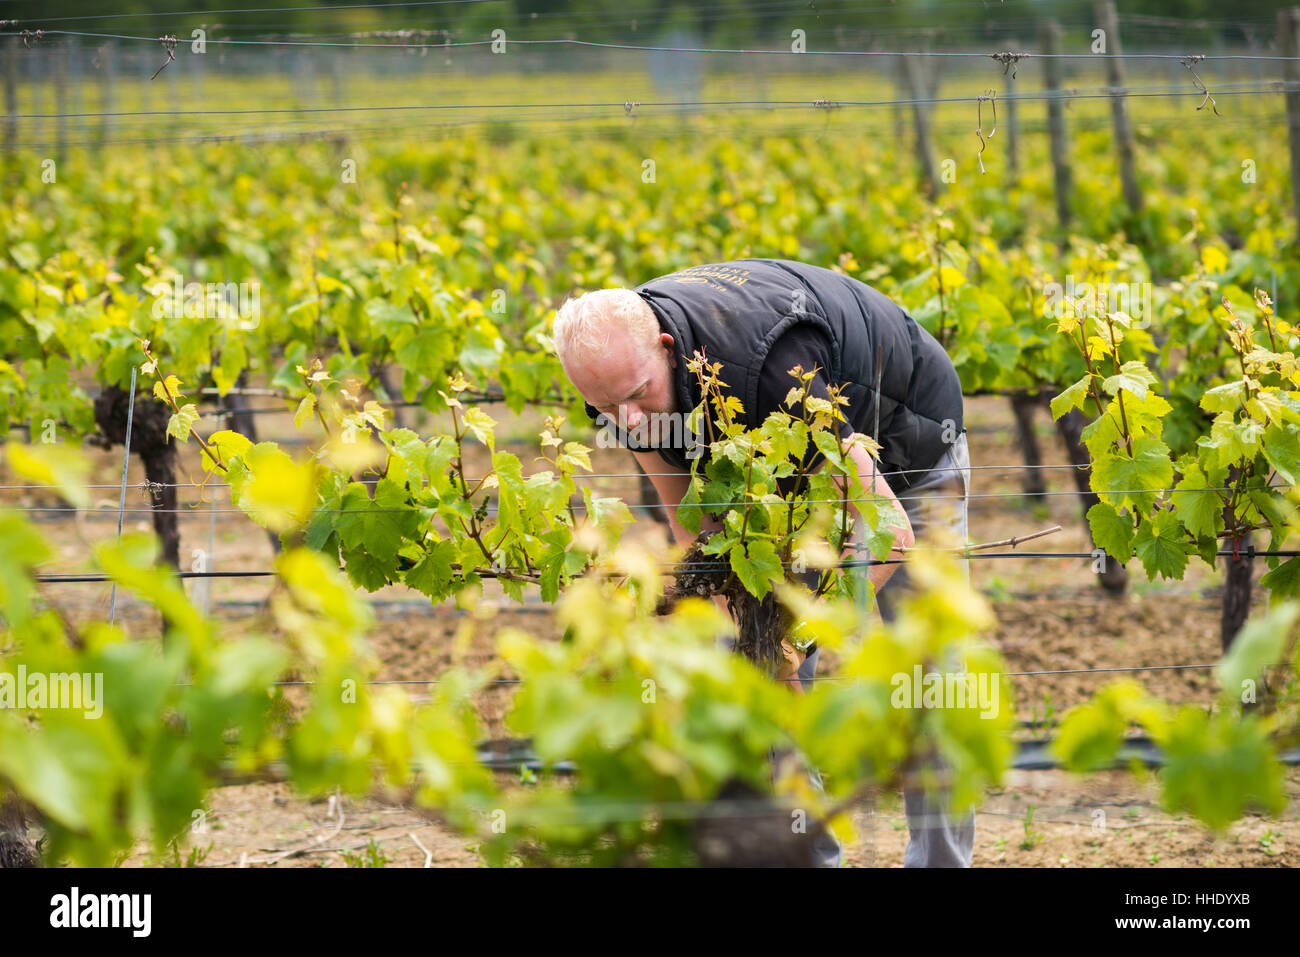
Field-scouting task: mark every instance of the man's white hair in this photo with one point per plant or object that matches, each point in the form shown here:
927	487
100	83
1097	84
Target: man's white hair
583	325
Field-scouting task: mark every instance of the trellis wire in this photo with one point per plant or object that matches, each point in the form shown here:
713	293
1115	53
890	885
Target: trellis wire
729	10
146	486
250	135
520	574
210	13
704	506
621	108
1008	674
398	608
447	44
563	20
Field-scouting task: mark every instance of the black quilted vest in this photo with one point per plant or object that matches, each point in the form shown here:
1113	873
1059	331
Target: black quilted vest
736	310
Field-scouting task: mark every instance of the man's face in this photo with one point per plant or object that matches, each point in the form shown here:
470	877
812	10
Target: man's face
625	376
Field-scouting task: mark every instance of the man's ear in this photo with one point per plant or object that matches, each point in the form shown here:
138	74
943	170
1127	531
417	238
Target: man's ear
667	342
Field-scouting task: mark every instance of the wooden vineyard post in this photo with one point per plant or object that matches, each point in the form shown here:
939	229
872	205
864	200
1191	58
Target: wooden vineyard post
1109	22
336	80
35	89
1113	576
106	101
11	91
141	71
1013	125
1238	569
149	441
61	67
1288	28
75	65
196	68
1051	38
1024	406
921	120
900	86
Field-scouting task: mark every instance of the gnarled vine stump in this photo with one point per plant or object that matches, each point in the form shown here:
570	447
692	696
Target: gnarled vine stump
149	441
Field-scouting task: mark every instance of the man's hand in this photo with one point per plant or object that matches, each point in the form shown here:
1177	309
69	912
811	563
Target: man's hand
903	536
788	672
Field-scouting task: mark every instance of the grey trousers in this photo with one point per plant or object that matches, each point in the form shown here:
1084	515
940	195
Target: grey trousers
936	499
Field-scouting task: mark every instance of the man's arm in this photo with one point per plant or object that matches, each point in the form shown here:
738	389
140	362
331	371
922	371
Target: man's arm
903	536
671	483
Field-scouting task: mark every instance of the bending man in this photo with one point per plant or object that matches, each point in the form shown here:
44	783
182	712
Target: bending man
626	352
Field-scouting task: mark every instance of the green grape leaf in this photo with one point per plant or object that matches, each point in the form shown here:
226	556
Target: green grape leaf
1133	377
233	361
1283	581
277	492
1111	531
757	566
228	445
170	385
787	437
432	575
389	320
606	513
1282	449
1129	479
1074	397
179	425
21	548
1217	766
365	570
65	767
1224	398
1161	547
1144	417
480	425
320	527
828	443
688	512
1090	734
306	409
1230	442
482	351
1199	510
